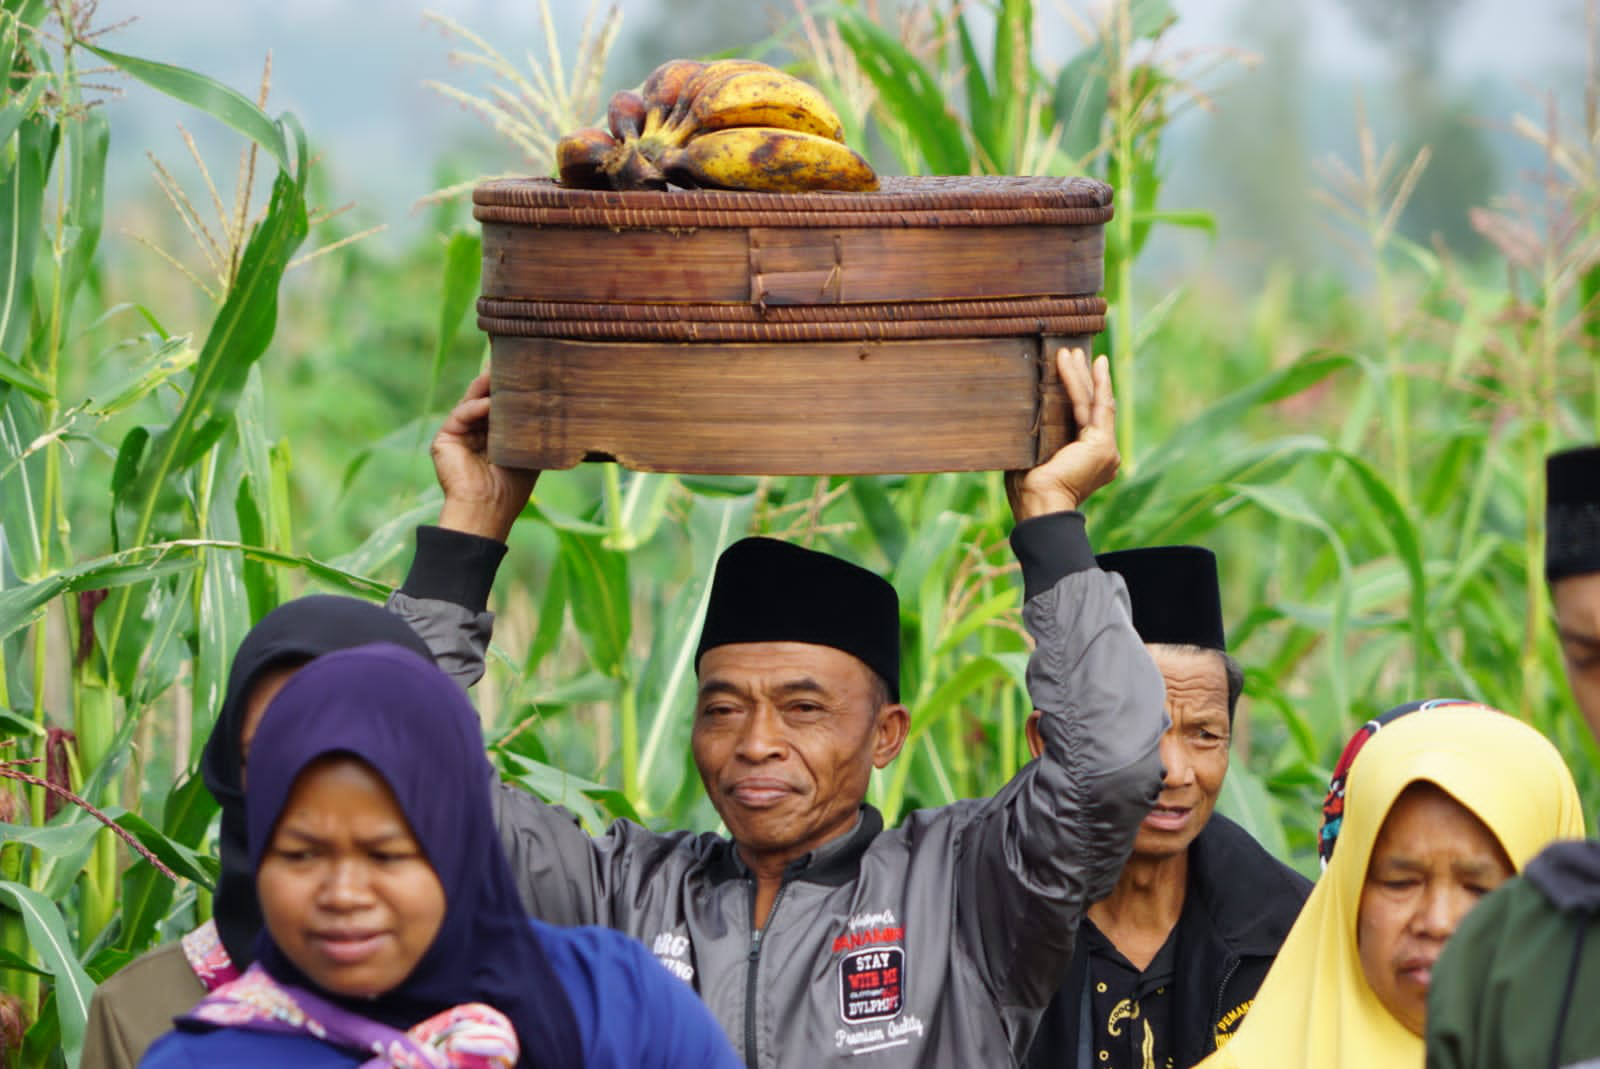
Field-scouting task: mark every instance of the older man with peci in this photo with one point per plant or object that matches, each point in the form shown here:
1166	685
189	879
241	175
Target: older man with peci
1167	966
817	936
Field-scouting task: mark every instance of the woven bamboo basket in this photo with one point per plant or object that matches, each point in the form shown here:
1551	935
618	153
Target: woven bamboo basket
907	330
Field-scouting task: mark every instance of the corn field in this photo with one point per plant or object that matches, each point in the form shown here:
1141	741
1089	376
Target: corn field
190	433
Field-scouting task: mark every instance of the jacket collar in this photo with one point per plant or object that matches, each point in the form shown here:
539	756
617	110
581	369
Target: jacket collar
833	864
1252	916
1569	875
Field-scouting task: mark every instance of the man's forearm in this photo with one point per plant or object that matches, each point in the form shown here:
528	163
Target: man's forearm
445	598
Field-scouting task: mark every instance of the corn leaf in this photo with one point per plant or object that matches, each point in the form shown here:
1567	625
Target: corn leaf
48	935
226	105
463	263
602	613
908	91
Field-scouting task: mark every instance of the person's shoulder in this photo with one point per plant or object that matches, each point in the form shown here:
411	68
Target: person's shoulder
1230	849
589	949
1568	874
137	1003
243	1050
630	1010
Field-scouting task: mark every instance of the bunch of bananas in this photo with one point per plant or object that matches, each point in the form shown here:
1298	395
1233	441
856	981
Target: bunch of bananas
730	124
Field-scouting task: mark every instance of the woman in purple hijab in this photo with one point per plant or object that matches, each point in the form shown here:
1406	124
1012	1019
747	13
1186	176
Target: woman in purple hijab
393	932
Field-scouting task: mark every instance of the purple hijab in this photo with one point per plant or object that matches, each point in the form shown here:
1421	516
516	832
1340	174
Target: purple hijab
295	632
405	719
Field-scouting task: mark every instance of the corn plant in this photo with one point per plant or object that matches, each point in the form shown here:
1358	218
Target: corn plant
152	581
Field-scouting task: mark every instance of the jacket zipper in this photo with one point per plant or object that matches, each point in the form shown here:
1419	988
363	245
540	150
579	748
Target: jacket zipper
1222	990
752	968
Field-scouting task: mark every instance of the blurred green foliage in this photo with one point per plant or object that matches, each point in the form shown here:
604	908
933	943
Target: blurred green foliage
205	432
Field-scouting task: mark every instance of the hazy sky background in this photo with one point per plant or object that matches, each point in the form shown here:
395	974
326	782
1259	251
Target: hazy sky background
352	72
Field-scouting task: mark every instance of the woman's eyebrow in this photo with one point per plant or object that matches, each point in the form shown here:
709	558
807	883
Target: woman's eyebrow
379	838
1476	867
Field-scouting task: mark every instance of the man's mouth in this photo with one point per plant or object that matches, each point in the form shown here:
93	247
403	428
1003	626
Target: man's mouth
1168	817
759	793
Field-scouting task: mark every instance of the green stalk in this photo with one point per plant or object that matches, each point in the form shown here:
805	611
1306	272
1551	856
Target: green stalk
1009	735
1399	384
612	486
629	716
96	720
13	933
1122	357
960	757
1539	394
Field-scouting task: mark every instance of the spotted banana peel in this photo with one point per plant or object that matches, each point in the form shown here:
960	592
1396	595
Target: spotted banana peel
729	124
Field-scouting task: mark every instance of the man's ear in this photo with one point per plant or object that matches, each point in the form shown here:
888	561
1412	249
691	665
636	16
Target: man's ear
1031	729
894	723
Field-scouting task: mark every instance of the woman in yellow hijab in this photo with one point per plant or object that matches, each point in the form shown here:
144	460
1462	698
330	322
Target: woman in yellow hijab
1438	807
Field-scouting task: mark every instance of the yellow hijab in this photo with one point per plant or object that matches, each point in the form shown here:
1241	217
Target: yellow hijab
1315	1009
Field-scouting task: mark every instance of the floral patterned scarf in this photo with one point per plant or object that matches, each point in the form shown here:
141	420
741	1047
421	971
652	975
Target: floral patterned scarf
470	1036
208	957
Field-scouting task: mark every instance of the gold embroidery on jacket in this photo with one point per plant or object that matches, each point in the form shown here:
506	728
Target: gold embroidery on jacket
1229	1023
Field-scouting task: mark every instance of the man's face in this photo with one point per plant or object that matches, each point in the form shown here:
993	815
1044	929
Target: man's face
786	735
1577	603
1194	750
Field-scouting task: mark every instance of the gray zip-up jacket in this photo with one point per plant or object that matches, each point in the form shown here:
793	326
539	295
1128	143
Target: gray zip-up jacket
936	943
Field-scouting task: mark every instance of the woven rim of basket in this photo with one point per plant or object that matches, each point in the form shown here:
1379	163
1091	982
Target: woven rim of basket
712	331
931	201
501	308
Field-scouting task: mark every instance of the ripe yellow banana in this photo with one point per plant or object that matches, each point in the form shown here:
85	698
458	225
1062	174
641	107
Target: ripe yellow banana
581	158
661	89
711	74
768	98
767	158
626	115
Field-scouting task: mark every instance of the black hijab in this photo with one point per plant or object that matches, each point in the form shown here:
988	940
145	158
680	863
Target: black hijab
411	725
294	632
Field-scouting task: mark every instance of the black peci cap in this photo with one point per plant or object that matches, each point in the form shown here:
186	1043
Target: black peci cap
765	590
1175	594
1572	513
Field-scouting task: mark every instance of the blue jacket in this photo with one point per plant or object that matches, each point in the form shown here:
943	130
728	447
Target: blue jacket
631	1013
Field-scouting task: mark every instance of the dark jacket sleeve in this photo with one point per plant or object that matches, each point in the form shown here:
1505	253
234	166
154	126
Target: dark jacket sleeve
445	598
1055	838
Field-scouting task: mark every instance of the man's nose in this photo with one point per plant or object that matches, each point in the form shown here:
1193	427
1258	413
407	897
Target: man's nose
762	737
1177	769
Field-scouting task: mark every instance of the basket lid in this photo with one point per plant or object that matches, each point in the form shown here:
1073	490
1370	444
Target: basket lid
945	200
